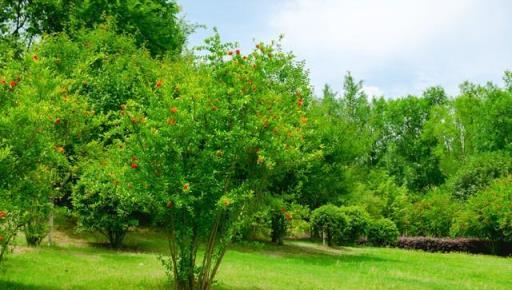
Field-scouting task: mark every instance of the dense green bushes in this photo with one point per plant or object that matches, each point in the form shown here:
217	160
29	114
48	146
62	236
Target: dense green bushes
329	223
103	200
382	232
358	223
432	214
488	214
468	245
346	225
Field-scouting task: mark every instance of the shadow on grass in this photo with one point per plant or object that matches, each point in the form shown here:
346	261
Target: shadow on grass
311	253
228	287
9	285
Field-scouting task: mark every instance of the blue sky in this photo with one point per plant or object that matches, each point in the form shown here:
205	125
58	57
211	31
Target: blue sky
397	47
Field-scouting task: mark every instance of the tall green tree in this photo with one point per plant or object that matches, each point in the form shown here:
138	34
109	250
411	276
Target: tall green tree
153	23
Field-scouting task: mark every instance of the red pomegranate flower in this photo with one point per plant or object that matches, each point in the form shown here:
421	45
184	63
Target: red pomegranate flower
3	214
171	121
288	216
300	102
158	84
60	149
238	52
35	57
174	110
12	84
134	165
186	187
57	121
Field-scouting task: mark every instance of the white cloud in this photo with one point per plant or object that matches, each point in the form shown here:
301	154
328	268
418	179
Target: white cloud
400	46
373	92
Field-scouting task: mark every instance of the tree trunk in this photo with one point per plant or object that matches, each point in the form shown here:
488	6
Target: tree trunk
278	228
115	238
50	225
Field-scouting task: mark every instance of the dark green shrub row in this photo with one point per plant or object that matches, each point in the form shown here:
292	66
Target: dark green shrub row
469	245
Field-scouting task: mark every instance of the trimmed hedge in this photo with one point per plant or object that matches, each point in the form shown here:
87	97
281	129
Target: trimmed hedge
469	245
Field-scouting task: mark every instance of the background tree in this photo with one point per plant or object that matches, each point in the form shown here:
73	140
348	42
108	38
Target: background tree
154	24
27	129
103	200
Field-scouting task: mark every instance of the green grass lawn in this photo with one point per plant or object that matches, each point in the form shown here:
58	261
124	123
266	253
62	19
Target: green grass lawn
77	264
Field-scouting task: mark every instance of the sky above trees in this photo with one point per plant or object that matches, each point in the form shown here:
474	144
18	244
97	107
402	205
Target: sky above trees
397	47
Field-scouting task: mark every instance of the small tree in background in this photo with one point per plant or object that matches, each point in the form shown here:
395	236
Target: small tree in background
152	23
27	129
103	200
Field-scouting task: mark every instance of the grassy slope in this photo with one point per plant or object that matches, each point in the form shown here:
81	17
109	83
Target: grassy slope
75	264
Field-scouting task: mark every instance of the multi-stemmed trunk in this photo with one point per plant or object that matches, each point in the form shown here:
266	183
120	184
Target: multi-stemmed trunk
278	228
115	238
183	257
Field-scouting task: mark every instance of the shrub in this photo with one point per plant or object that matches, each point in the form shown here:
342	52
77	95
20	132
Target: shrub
469	245
103	202
382	232
381	196
432	215
358	221
488	214
330	223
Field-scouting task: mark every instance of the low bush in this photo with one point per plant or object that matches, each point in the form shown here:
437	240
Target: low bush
103	201
358	221
382	232
330	223
469	245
